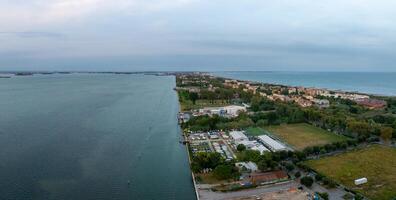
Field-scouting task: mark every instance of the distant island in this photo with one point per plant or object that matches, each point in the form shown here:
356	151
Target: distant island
286	142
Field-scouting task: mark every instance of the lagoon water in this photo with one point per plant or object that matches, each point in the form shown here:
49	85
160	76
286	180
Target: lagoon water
381	83
84	136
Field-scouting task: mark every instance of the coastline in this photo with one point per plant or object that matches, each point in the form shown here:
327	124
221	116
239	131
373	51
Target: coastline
252	80
312	107
187	149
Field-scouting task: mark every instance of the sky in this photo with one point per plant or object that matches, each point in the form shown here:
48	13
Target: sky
206	35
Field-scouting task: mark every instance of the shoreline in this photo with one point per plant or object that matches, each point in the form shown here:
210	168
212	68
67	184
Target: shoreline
167	73
187	148
296	86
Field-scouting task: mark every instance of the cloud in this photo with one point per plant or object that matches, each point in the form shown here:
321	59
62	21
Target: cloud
31	34
274	32
44	12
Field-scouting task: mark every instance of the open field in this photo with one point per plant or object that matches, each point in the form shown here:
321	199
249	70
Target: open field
304	135
186	105
255	131
376	163
208	178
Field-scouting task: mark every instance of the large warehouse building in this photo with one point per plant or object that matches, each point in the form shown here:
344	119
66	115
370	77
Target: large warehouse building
272	144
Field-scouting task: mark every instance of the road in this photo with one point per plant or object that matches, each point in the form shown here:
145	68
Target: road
205	194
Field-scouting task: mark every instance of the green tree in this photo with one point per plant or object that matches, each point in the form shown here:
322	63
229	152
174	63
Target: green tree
386	133
307	181
289	167
361	128
241	147
262	123
225	171
318	177
193	97
250	155
255	103
324	195
205	160
262	165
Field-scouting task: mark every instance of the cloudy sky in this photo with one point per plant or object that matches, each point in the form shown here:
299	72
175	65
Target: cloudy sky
128	35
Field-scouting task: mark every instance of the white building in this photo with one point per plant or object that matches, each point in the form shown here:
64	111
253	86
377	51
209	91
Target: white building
360	181
251	166
238	136
234	110
272	144
324	103
261	148
253	145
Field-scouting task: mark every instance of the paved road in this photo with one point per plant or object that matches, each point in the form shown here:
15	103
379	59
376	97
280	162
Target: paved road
205	194
334	194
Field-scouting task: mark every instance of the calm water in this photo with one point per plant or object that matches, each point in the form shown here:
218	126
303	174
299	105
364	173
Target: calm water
372	83
82	137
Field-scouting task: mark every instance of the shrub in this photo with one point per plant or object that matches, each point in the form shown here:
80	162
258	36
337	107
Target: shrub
359	197
241	147
289	167
324	195
318	177
297	174
307	181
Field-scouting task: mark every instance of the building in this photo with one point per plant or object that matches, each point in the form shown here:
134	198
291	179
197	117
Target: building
372	103
247	166
252	88
248	144
261	148
272	144
212	111
231	111
360	181
322	103
292	90
312	91
253	145
238	136
281	97
234	110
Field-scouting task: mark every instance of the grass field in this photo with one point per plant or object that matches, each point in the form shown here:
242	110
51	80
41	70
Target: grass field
376	163
255	131
304	135
208	178
188	105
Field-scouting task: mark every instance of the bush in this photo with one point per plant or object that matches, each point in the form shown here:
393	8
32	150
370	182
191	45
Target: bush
307	181
358	197
318	177
326	181
297	174
348	196
241	147
324	195
289	167
225	171
332	184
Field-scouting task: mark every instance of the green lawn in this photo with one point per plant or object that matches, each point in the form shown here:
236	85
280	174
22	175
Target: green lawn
376	163
187	105
304	135
208	178
255	131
